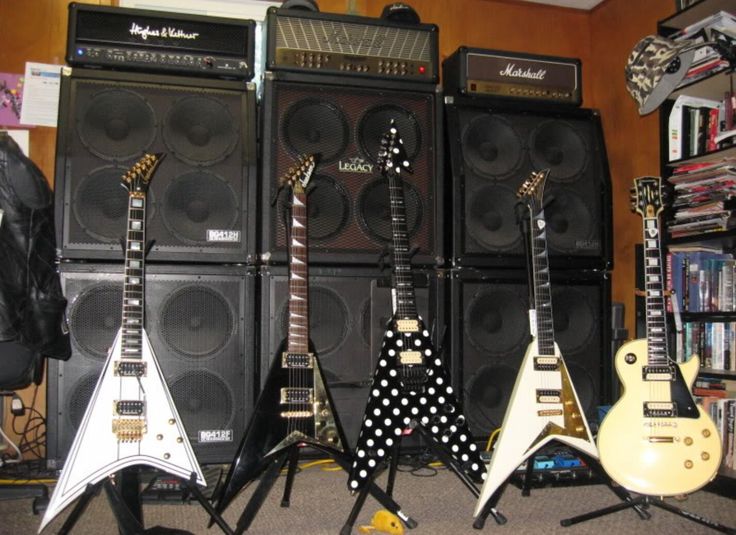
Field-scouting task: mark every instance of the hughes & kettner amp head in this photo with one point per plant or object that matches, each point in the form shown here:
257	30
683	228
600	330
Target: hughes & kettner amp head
307	41
497	73
158	41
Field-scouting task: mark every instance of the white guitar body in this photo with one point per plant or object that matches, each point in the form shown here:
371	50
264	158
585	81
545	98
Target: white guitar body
543	407
657	456
97	452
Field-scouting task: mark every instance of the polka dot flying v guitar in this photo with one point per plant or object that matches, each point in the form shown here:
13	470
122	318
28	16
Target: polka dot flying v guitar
410	387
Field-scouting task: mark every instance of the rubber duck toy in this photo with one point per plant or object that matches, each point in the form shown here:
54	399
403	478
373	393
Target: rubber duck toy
384	522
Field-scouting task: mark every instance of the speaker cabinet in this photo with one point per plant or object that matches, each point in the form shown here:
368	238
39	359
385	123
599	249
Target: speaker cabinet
490	334
349	215
201	199
200	323
493	149
348	312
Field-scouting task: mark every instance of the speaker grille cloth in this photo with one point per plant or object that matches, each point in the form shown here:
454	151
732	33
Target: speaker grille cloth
194	320
200	187
498	151
344	126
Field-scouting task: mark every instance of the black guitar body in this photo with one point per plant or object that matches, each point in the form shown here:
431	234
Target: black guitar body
405	397
270	432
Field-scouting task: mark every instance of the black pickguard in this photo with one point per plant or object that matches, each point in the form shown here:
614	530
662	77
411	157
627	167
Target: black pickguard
268	433
394	406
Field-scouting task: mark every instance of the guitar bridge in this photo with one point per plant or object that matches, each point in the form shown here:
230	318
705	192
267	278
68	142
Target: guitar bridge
546	364
297	395
297	414
129	429
549	396
658	373
660	409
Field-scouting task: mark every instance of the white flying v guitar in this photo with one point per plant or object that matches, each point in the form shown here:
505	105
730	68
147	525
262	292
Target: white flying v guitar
544	405
131	418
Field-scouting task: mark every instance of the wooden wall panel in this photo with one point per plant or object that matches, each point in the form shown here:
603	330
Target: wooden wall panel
632	141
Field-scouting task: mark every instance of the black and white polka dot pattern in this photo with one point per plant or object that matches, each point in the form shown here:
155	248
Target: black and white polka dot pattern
393	407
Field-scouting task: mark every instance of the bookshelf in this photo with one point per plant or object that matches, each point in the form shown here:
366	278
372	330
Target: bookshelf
720	314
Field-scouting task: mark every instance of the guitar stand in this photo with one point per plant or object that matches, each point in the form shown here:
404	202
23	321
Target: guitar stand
646	501
441	453
291	455
124	500
622	493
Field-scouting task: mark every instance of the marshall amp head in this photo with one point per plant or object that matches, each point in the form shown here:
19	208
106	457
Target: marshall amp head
496	73
158	41
307	41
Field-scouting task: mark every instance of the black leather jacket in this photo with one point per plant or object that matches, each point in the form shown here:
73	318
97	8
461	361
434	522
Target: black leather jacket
31	301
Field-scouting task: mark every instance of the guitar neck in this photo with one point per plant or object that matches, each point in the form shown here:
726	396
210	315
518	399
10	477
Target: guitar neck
133	290
403	280
298	332
656	320
541	284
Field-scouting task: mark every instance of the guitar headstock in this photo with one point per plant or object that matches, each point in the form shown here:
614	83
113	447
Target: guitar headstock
647	196
298	176
392	154
137	178
533	187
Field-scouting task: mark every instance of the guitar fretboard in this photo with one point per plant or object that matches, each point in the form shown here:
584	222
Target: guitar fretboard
298	332
654	288
542	291
403	280
133	294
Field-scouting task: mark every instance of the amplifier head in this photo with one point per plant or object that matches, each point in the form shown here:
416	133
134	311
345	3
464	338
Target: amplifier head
307	41
499	73
160	41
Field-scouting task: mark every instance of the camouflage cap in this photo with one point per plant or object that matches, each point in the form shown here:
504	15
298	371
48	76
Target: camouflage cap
655	67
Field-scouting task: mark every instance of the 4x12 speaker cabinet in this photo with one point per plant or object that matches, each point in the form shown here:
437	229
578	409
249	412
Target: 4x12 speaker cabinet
202	199
349	211
490	334
494	147
348	311
200	320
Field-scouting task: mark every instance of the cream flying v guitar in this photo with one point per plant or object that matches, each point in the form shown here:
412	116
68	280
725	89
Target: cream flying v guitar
131	417
655	440
544	405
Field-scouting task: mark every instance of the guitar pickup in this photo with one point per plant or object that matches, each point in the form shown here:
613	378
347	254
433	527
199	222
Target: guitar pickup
658	373
546	364
130	368
410	357
297	395
407	326
549	396
660	409
129	408
297	360
129	429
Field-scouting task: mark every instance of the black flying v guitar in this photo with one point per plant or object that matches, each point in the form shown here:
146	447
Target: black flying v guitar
410	386
294	407
131	418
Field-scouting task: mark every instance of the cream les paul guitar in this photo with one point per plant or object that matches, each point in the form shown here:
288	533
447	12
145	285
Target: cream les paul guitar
655	440
131	418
